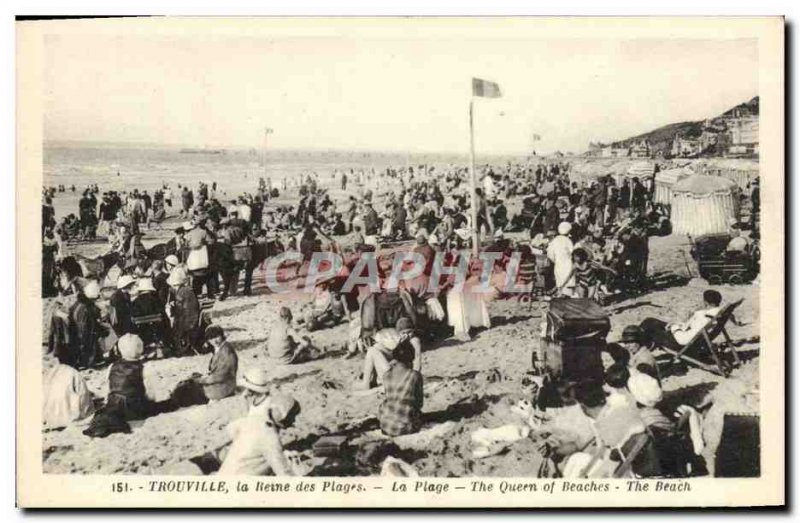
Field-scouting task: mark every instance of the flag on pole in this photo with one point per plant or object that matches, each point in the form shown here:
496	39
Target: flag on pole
485	88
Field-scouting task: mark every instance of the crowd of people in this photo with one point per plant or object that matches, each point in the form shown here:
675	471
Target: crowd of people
585	239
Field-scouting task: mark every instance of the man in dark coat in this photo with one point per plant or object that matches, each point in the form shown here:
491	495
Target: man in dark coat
370	220
552	216
625	195
599	198
638	195
226	264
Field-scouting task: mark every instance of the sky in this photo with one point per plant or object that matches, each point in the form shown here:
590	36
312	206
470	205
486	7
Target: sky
385	94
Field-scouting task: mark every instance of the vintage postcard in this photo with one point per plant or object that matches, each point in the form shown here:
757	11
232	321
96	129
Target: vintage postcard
400	262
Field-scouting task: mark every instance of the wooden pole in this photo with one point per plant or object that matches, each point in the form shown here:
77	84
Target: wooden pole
476	234
267	132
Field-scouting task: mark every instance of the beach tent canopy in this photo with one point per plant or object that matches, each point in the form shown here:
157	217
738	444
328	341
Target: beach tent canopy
740	170
591	169
704	204
665	180
641	169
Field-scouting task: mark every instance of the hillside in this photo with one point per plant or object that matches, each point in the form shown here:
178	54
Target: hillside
661	139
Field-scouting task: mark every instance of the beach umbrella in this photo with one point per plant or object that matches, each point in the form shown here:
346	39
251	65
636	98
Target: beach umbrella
703	204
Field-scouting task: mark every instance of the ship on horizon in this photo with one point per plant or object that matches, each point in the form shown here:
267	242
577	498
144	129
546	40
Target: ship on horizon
190	150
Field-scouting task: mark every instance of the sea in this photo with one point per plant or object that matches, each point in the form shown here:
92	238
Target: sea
123	167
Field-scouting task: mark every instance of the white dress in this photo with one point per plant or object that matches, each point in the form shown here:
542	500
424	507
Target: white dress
560	253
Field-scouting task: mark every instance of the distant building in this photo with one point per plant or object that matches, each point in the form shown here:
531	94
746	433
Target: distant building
640	150
708	140
743	132
614	152
685	147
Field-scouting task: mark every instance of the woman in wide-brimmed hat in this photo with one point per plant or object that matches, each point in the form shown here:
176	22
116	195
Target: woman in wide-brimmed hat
256	448
127	398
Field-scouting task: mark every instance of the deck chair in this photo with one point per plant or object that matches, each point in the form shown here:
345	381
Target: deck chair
704	340
622	470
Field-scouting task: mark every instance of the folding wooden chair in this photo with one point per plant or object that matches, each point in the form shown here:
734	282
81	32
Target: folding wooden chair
640	441
705	340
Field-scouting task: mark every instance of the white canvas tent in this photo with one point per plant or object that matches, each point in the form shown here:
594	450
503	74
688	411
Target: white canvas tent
741	171
703	204
665	180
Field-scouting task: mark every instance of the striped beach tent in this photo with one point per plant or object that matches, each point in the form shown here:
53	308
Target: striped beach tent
704	204
641	169
665	180
740	170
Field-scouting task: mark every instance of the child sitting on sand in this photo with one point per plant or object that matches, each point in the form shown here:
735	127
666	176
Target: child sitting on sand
285	345
401	410
379	356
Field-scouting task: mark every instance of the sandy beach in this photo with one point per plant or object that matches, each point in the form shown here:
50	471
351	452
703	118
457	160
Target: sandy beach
468	385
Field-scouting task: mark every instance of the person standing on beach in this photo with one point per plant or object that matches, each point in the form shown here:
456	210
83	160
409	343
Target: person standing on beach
625	195
187	200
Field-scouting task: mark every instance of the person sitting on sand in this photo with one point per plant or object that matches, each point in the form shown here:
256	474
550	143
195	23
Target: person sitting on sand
127	398
634	340
676	335
401	410
147	303
256	448
329	306
220	382
378	357
674	450
121	313
616	385
285	344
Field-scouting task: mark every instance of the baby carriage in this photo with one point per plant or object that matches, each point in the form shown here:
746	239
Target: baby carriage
716	264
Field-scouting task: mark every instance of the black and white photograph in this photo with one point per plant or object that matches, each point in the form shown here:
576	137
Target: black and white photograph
404	249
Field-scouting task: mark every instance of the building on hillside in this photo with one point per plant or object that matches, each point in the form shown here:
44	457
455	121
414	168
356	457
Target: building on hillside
743	132
640	149
610	151
708	140
595	149
685	147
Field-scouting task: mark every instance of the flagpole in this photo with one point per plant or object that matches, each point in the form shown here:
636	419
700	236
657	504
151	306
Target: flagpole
472	182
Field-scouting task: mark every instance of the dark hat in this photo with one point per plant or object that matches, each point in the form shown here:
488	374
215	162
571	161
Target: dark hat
214	331
632	333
